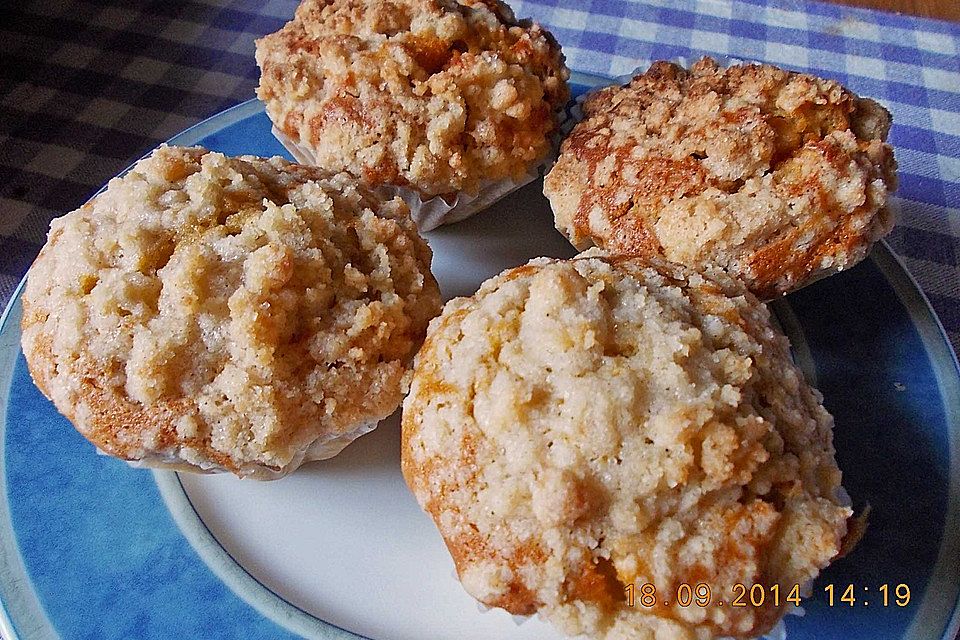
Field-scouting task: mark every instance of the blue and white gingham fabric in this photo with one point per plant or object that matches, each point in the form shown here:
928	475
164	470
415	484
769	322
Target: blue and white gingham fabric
86	87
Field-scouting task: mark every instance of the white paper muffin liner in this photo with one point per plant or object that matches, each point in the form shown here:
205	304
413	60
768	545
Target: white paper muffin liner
438	210
320	449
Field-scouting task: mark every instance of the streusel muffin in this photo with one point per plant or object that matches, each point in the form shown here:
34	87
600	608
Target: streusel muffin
581	425
779	177
435	95
214	313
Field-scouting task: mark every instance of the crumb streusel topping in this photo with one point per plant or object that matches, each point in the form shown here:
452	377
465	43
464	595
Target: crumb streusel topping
779	177
580	425
227	313
436	95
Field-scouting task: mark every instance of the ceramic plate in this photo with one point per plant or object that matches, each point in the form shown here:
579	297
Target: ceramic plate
91	548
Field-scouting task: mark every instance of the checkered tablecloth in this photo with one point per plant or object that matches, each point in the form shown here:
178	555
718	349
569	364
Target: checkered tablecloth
87	87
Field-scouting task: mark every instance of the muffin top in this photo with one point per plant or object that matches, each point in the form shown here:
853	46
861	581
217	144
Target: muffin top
227	313
436	95
577	426
779	177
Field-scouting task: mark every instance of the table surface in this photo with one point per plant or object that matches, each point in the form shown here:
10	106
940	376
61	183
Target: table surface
943	9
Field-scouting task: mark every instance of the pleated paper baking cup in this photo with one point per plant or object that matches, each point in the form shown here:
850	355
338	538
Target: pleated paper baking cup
325	446
440	210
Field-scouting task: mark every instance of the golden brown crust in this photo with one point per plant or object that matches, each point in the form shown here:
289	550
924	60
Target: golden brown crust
778	177
432	94
110	420
577	426
227	313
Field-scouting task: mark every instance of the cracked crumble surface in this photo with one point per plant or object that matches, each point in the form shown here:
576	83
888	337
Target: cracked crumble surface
227	313
432	94
579	425
779	177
